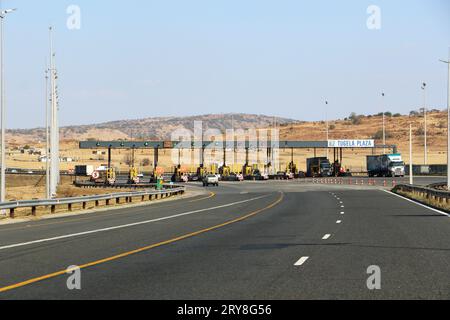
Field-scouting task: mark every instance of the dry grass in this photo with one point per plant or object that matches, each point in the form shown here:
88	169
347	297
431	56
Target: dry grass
422	199
26	187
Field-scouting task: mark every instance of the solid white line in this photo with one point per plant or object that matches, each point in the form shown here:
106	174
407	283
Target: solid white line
326	237
419	204
126	225
301	261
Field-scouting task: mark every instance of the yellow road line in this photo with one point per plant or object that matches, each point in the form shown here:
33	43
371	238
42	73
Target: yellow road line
129	253
211	194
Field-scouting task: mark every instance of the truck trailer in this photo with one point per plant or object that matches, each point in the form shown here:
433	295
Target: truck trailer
318	167
386	165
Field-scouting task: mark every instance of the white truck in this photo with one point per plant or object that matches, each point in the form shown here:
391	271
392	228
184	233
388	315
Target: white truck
211	179
387	165
84	170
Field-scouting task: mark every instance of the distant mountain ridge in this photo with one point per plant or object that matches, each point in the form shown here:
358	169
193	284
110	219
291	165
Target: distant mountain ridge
150	128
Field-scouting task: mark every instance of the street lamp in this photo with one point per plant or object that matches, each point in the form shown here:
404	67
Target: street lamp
448	123
384	126
411	180
327	131
424	87
3	14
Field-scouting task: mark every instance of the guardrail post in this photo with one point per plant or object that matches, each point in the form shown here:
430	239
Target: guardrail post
117	200
11	213
107	202
69	207
84	205
52	208
33	210
97	203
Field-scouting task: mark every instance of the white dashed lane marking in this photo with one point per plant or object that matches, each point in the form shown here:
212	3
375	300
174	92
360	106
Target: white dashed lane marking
301	261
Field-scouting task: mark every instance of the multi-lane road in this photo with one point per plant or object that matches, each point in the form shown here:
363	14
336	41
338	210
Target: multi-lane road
251	240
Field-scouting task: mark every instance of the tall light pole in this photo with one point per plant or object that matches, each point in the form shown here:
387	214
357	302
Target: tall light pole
448	123
54	128
327	130
424	87
47	140
3	14
384	125
411	181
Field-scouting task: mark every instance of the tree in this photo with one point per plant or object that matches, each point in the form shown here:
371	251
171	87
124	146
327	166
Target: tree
355	119
379	135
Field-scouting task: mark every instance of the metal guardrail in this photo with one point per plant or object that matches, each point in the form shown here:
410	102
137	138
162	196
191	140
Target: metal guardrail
428	192
52	203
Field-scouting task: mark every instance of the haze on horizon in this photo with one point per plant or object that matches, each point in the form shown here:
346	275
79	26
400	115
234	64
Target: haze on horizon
139	59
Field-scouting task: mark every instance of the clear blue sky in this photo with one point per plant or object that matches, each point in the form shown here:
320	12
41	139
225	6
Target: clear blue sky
134	59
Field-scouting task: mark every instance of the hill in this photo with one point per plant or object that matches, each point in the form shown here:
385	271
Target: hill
158	128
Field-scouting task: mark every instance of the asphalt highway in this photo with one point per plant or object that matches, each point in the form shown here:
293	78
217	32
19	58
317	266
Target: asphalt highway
250	240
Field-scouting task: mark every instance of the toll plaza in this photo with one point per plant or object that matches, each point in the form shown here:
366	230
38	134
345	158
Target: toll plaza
334	148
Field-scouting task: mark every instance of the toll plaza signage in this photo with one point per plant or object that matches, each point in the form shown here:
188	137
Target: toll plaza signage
351	143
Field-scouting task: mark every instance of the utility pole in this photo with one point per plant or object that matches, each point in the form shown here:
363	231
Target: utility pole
411	179
424	87
448	123
3	14
384	125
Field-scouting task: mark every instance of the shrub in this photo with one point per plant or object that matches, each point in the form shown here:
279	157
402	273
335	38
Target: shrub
420	131
379	135
355	119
